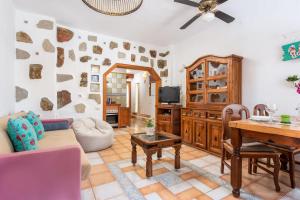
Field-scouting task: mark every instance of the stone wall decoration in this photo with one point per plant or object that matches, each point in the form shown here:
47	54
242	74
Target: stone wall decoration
21	94
82	46
92	38
63	98
144	59
64	35
121	55
63	77
153	53
95	97
151	62
133	57
113	45
164	73
80	108
97	49
45	24
48	46
22	54
161	64
23	37
142	49
95	87
85	59
106	62
46	104
72	55
84	79
60	57
35	71
164	54
126	46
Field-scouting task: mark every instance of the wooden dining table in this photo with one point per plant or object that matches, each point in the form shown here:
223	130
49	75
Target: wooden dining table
277	133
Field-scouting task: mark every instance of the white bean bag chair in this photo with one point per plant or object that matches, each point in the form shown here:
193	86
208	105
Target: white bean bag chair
93	135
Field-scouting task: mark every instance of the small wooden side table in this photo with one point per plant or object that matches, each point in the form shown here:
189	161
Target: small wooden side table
152	144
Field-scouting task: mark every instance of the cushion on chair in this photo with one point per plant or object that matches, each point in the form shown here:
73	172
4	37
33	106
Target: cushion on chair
249	147
93	135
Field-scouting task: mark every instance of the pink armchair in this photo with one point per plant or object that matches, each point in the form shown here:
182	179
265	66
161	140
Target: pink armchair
45	174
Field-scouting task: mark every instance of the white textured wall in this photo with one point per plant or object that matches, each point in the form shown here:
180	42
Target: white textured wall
7	52
259	42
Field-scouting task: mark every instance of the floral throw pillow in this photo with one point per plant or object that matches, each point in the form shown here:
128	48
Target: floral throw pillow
36	123
22	134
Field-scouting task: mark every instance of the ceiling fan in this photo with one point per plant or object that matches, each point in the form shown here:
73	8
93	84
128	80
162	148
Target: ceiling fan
207	11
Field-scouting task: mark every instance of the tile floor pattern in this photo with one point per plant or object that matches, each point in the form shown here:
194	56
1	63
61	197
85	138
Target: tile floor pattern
114	178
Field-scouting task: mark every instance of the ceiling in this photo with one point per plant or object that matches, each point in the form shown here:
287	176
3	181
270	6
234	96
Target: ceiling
157	22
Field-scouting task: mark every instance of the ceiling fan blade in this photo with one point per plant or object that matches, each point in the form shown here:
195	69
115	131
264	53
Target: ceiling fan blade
191	21
221	1
187	2
223	16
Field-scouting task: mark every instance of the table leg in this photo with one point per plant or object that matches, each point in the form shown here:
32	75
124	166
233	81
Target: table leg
177	156
236	162
133	153
148	162
159	153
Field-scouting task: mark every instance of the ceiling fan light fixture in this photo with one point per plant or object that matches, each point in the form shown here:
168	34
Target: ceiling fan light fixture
208	16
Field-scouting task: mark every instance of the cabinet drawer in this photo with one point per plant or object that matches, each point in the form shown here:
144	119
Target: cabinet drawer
164	127
199	114
214	115
163	117
186	112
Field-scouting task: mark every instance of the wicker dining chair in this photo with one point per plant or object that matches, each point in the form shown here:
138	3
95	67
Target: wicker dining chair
252	150
288	153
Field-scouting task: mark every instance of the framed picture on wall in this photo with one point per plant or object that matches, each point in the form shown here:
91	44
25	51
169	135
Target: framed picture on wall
95	78
95	68
95	87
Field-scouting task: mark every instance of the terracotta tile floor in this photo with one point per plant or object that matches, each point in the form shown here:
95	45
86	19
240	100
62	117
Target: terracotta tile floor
113	176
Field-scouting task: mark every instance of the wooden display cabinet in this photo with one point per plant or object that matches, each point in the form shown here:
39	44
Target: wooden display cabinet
211	83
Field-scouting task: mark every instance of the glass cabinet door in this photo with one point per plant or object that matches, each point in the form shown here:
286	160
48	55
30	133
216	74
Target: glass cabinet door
217	68
196	98
217	84
197	86
198	72
220	98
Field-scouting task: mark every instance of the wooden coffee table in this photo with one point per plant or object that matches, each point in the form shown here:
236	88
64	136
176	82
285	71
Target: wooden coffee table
154	144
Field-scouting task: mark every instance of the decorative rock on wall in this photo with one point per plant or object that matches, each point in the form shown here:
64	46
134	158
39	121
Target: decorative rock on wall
106	62
82	46
84	79
126	46
161	64
80	108
64	35
153	53
142	49
164	73
97	49
60	57
22	54
21	94
85	59
63	98
46	104
35	71
113	45
72	55
144	59
133	57
92	38
164	54
95	97
63	77
23	37
48	46
45	24
121	55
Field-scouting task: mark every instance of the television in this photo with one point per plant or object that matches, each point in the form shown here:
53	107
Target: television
169	95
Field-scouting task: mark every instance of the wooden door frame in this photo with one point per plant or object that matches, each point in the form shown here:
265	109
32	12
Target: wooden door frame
150	70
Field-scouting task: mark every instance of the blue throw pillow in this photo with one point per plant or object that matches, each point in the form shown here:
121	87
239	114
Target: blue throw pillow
22	134
36	123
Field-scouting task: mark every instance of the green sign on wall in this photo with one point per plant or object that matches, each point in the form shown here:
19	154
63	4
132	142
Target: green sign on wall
291	51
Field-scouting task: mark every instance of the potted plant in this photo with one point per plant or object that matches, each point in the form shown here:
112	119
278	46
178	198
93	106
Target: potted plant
150	127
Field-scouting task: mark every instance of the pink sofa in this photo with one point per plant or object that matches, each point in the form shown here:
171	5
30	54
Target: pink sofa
53	172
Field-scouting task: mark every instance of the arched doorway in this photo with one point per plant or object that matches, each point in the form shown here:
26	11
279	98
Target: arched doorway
150	70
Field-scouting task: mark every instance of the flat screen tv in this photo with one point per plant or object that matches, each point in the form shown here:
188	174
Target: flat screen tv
169	95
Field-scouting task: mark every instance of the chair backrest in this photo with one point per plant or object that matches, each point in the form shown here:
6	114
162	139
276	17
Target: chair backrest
233	112
261	110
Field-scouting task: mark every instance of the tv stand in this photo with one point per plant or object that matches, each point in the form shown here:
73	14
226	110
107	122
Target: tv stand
168	118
